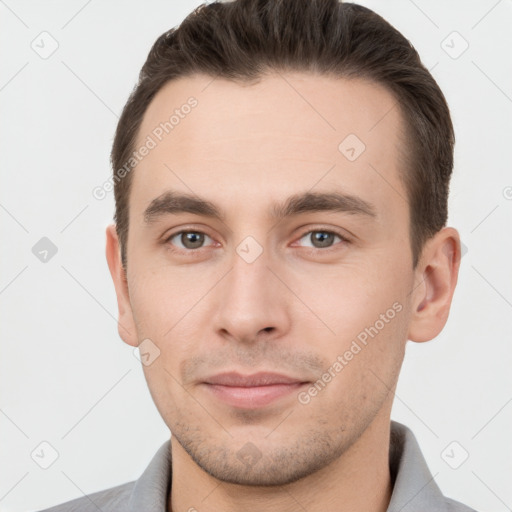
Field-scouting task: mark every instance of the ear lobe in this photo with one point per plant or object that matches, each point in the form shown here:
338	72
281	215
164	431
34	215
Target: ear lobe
125	323
436	274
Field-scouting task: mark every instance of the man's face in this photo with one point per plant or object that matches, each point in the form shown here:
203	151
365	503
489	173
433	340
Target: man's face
282	281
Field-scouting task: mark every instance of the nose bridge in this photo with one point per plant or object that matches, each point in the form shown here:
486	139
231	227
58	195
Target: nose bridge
248	283
249	298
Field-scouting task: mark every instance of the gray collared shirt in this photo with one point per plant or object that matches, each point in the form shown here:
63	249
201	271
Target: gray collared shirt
414	488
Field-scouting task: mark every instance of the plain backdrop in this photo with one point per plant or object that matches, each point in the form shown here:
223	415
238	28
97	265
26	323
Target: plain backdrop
66	377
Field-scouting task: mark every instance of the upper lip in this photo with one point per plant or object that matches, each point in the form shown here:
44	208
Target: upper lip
256	379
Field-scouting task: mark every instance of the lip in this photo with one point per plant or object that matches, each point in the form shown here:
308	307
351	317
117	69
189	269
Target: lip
236	379
251	391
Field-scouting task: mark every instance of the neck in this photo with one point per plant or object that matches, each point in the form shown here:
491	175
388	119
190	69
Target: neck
357	481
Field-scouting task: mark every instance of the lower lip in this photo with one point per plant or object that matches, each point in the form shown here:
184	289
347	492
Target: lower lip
252	397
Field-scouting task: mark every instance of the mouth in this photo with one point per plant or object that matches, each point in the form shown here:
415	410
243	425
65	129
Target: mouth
251	391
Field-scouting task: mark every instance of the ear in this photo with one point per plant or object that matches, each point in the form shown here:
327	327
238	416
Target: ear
435	280
125	323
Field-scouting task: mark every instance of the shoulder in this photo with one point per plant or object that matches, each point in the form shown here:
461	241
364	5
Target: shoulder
415	488
115	499
456	506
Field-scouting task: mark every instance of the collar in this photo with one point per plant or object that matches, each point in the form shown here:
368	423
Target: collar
414	487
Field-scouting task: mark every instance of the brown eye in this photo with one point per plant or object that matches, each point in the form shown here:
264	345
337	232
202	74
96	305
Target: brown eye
320	239
189	239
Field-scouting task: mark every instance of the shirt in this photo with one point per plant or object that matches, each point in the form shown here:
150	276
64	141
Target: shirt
414	488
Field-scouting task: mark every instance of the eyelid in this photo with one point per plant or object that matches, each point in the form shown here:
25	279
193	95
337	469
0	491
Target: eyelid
344	237
186	229
191	229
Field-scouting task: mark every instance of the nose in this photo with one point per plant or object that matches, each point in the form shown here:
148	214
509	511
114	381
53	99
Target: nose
251	303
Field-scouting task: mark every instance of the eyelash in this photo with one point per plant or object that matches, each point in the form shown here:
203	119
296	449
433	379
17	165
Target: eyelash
343	239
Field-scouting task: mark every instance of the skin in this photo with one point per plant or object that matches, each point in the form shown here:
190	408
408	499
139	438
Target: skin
294	309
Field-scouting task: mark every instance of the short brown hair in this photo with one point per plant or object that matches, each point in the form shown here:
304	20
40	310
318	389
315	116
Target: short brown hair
243	39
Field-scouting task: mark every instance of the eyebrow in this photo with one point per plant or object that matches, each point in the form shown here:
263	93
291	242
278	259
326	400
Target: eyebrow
173	203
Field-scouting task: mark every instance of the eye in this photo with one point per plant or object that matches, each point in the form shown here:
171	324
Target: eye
189	239
321	239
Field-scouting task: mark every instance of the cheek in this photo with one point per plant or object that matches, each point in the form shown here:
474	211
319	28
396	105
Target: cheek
169	309
362	370
349	299
367	316
164	387
163	299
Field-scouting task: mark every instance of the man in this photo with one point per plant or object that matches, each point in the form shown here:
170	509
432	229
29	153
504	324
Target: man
281	177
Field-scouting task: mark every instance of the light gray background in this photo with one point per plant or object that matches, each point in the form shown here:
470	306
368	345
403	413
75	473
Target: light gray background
67	378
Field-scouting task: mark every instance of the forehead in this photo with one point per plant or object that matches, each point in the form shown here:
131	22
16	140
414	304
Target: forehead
286	132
